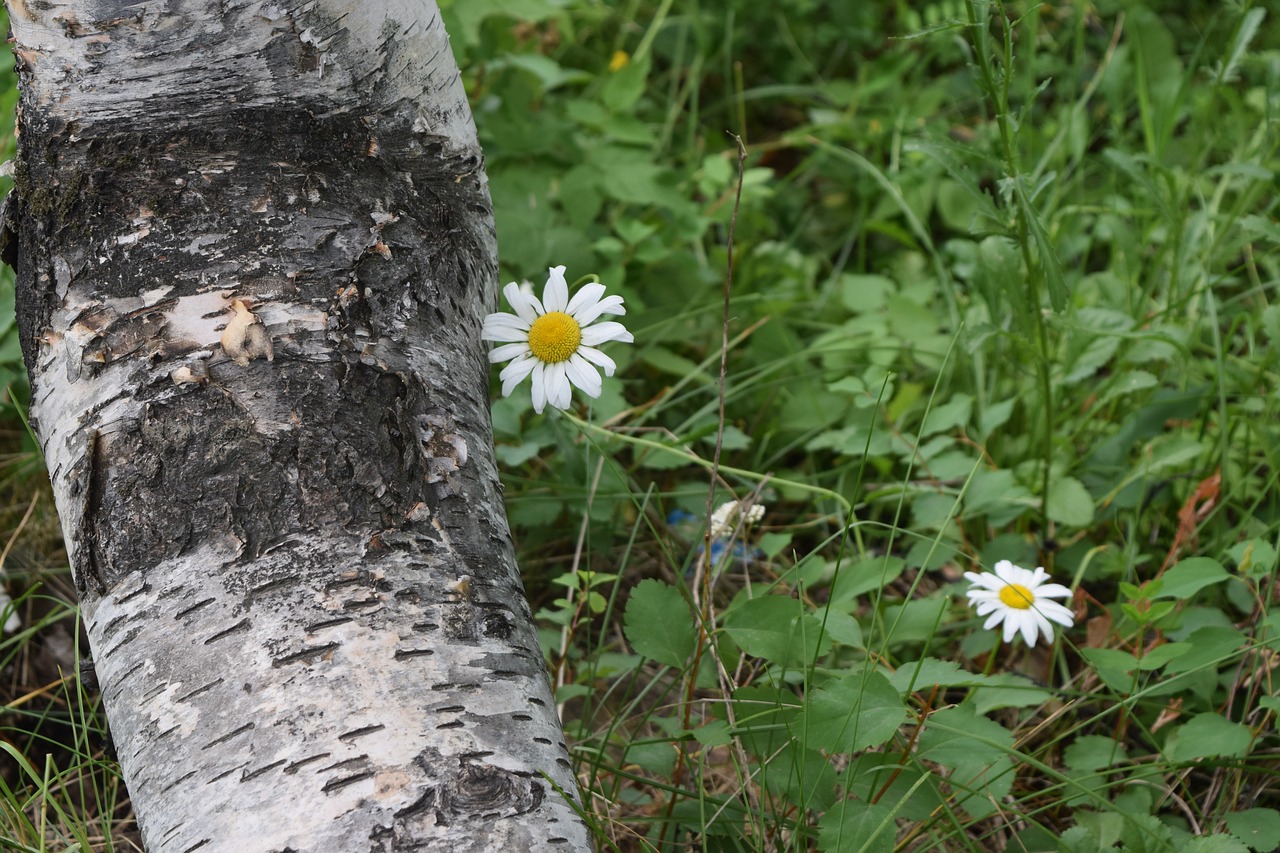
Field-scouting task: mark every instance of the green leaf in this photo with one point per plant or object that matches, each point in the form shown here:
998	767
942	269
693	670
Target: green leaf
1208	735
1077	839
1191	575
1093	752
1044	248
1258	828
926	673
1216	843
659	623
866	575
1006	690
851	713
1113	667
843	628
777	628
1161	655
1069	502
622	88
854	826
714	733
977	750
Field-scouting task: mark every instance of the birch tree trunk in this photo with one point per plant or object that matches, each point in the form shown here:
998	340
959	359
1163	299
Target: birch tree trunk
254	248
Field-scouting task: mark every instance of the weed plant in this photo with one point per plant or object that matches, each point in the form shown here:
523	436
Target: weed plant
1002	290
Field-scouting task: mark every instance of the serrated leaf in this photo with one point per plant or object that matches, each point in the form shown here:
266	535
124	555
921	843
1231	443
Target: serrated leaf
977	750
1208	735
1093	752
851	713
1216	843
659	623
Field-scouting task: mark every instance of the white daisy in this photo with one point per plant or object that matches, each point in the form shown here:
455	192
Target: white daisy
554	340
1019	598
722	520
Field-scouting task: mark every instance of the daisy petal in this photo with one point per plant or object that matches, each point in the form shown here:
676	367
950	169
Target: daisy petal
539	386
515	372
608	305
585	299
1052	590
526	305
504	327
559	394
582	374
601	332
598	358
506	352
555	296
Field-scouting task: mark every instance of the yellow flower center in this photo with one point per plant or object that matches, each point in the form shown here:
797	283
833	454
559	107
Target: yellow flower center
1017	596
554	337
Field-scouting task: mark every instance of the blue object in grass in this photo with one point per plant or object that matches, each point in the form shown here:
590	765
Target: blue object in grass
689	526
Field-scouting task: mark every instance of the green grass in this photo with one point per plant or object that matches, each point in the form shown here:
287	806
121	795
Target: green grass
1004	288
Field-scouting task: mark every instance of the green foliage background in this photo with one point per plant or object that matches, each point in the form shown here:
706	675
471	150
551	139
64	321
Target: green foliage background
1003	289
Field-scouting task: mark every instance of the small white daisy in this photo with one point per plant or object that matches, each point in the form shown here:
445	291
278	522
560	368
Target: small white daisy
1019	598
554	340
723	521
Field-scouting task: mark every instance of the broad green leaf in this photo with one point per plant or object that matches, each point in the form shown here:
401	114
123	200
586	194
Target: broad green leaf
1069	502
1254	557
851	713
1077	839
948	416
1006	690
924	674
622	88
659	623
763	716
777	628
1210	646
842	628
1258	828
1144	833
863	293
1216	843
1113	667
1093	752
1191	575
977	750
714	733
1208	735
862	577
802	777
854	826
1161	655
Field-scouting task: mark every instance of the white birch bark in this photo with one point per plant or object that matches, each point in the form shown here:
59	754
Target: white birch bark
255	245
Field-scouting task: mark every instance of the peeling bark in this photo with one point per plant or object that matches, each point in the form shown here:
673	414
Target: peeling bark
255	245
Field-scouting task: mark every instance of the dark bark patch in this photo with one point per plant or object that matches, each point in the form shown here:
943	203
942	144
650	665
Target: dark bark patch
242	625
253	774
307	655
403	654
199	605
303	762
337	784
359	733
247	727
